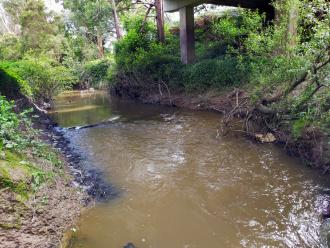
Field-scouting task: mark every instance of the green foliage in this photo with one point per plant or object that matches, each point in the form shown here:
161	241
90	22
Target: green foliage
213	73
163	67
211	50
275	63
299	125
18	135
32	60
79	49
19	143
20	175
10	47
11	83
93	15
10	124
234	27
268	74
139	41
42	78
38	178
40	31
91	18
35	27
96	72
239	47
139	55
46	52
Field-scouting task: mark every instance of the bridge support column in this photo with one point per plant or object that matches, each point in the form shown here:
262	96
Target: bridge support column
187	36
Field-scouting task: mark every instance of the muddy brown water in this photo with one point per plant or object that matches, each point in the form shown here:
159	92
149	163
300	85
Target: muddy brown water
180	184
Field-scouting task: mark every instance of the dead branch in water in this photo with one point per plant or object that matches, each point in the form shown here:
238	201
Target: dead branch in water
161	82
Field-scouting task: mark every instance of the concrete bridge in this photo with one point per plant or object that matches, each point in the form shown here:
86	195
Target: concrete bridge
186	8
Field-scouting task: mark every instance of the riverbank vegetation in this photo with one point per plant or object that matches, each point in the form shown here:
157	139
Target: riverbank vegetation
282	64
274	72
20	147
34	185
37	200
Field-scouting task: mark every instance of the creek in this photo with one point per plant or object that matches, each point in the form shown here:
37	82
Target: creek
180	184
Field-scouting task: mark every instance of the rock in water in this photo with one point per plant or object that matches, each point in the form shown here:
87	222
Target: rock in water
129	245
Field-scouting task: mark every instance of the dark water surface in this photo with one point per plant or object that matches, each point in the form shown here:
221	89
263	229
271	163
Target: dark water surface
181	185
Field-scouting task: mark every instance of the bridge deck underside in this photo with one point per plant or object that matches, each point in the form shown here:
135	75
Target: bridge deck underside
175	5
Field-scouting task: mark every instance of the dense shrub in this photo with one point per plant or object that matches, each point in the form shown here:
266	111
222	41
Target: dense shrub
11	84
138	43
234	27
211	50
96	73
10	47
239	47
146	61
213	73
40	78
290	68
219	41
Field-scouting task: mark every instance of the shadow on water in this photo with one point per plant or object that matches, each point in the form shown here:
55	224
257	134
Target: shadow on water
76	108
90	178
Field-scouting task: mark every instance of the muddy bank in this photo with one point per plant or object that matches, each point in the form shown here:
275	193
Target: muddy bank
313	146
42	218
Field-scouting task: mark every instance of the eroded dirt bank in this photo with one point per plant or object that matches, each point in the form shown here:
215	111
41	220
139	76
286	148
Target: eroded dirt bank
41	221
313	146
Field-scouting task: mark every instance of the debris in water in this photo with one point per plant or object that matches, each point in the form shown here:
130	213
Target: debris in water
129	245
265	138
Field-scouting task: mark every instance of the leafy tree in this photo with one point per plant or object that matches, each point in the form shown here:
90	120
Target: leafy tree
36	26
14	8
92	18
39	31
10	47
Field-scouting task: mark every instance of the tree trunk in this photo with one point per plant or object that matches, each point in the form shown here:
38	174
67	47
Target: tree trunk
100	46
116	20
293	16
286	16
159	5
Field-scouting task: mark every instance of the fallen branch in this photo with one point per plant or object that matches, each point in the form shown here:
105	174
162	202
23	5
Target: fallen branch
317	65
168	91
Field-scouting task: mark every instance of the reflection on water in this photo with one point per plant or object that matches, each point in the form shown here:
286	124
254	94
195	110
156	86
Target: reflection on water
181	186
81	108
